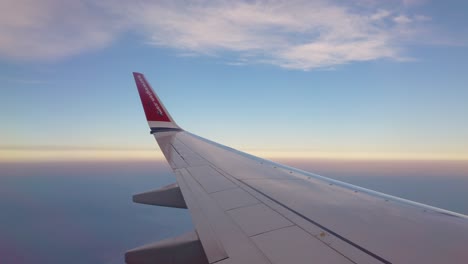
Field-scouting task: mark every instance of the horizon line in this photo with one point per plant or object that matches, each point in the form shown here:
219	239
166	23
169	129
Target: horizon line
60	153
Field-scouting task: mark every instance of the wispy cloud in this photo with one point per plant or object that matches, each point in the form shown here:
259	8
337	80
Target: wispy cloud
291	34
50	29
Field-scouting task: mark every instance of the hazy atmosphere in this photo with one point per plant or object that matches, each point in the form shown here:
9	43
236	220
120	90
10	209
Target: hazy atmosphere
81	212
369	92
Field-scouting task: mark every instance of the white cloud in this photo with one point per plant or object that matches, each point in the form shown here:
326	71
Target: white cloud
380	14
50	29
402	19
413	2
295	34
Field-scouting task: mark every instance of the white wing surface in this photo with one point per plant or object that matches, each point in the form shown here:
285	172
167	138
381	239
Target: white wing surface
250	210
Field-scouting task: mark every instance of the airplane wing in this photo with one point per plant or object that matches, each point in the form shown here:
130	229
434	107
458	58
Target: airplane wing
249	210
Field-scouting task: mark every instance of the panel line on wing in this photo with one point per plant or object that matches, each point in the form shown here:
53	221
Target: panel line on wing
240	182
381	259
236	244
212	246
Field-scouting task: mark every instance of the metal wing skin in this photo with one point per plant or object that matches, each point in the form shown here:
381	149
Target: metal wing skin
249	210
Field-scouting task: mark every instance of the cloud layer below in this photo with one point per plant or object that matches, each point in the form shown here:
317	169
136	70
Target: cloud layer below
291	34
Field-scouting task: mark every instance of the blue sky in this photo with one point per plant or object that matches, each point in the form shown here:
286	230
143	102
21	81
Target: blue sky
372	79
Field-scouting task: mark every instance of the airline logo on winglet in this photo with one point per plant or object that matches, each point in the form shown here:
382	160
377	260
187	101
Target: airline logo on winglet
154	111
150	94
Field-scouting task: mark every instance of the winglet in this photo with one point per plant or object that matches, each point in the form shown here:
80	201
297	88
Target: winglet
157	116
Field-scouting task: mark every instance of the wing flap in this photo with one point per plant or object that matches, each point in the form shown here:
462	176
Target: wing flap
214	249
220	236
178	250
168	196
210	179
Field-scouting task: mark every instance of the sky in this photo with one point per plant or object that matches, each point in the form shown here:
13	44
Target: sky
370	92
361	79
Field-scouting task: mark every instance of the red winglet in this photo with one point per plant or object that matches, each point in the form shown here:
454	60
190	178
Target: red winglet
154	110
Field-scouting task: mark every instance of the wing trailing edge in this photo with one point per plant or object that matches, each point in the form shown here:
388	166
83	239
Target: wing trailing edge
178	250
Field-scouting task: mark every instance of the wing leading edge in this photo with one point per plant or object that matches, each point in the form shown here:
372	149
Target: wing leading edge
250	210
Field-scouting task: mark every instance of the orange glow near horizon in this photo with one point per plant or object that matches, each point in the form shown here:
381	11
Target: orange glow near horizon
66	155
72	154
349	155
